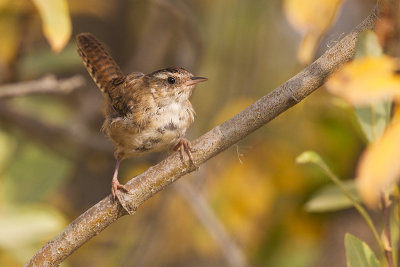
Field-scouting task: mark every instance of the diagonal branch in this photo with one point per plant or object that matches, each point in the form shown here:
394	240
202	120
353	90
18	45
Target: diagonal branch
156	178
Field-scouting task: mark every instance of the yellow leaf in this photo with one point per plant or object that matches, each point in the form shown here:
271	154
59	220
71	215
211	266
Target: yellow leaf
56	22
366	81
307	47
310	18
379	169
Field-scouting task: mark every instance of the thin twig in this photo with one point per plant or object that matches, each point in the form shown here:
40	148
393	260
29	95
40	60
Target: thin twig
388	240
355	203
46	85
63	139
156	178
232	253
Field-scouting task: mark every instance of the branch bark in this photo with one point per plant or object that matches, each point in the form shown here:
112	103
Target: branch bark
156	178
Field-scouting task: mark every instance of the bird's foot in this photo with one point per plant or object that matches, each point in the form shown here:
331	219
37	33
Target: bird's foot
116	188
184	144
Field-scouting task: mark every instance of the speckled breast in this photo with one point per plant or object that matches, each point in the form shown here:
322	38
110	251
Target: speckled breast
165	128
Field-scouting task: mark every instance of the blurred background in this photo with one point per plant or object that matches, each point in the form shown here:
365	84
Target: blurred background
245	207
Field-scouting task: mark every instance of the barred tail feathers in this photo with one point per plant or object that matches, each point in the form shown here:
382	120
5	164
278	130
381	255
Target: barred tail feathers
98	62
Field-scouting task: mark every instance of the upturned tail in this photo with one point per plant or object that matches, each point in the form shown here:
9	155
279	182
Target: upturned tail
98	62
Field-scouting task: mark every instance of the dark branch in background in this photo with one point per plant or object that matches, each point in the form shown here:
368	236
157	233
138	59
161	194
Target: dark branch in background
46	85
156	178
63	140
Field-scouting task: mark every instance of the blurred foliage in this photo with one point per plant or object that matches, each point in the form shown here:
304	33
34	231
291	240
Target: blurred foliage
56	22
23	226
245	48
371	85
29	174
371	82
366	81
312	19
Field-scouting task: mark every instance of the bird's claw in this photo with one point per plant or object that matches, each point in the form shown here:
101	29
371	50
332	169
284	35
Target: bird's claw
183	145
116	187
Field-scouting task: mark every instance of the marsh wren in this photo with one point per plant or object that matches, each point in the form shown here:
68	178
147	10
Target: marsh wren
143	112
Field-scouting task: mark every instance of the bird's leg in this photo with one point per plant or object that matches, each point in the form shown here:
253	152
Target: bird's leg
184	144
115	185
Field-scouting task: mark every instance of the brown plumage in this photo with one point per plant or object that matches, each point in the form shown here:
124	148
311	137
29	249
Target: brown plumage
144	113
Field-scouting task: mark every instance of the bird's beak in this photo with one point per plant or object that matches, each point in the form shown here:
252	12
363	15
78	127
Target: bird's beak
194	80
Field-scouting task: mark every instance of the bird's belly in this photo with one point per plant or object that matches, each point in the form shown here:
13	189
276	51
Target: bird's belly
151	140
162	133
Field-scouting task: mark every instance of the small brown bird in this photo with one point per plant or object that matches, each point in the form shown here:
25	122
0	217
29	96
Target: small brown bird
144	112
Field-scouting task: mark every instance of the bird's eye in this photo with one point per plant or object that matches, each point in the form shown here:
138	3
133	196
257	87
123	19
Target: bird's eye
171	80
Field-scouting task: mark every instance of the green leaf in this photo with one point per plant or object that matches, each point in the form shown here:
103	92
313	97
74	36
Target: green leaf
309	157
358	253
332	198
373	119
368	45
